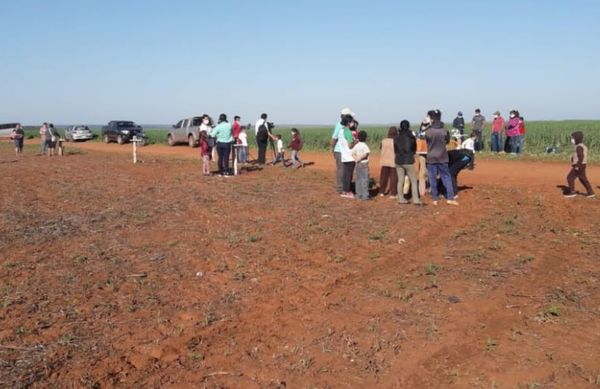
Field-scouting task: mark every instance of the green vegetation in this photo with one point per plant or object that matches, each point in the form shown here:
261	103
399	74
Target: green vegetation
540	134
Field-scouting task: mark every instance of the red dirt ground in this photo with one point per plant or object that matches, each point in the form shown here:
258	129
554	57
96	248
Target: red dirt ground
116	274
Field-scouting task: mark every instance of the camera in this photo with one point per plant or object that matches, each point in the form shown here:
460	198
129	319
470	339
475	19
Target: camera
270	125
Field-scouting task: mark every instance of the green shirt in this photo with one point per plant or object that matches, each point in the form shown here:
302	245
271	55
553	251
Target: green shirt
222	132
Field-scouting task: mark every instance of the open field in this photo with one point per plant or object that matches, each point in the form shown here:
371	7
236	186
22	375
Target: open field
540	134
115	274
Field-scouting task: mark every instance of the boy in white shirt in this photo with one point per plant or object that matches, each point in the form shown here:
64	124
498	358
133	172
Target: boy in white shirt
469	143
280	157
243	148
360	153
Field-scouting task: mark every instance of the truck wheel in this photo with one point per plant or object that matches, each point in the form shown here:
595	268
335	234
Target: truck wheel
191	141
170	140
106	140
120	140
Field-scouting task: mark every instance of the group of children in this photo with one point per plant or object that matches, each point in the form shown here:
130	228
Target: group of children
235	138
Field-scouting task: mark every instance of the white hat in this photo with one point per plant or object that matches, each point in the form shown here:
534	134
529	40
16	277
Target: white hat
347	111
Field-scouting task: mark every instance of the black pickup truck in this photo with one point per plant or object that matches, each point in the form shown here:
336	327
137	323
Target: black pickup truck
121	131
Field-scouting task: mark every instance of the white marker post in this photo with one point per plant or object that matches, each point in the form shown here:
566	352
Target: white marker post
135	141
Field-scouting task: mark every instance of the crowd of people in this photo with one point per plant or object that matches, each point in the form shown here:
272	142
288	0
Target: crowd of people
226	143
412	163
429	159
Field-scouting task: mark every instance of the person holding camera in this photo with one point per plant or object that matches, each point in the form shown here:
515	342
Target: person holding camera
262	130
223	134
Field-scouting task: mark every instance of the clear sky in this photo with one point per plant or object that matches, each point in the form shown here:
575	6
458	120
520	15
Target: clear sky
76	61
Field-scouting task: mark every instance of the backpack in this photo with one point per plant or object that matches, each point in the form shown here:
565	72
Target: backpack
263	133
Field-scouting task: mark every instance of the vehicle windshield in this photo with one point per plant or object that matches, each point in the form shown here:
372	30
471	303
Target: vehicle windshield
125	124
82	128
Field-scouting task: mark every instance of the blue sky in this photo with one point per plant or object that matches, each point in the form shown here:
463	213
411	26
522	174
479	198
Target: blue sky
156	61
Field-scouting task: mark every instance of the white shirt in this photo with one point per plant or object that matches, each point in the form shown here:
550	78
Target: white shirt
360	151
345	151
205	128
259	123
280	148
243	137
469	144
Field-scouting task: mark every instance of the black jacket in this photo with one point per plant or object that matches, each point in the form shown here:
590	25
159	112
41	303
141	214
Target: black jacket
405	147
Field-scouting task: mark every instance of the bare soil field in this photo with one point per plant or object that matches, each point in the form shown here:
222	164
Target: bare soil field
150	275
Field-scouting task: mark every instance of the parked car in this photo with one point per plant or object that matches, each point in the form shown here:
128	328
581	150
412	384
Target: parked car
185	131
75	133
122	131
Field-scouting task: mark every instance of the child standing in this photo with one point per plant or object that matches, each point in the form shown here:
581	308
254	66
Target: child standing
280	150
578	166
18	135
205	153
360	153
296	146
243	142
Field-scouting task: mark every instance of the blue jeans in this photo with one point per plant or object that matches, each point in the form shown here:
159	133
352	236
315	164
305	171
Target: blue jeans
362	181
514	144
43	146
243	154
433	169
497	144
223	150
520	143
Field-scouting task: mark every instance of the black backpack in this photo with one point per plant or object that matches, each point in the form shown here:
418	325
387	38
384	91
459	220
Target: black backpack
263	133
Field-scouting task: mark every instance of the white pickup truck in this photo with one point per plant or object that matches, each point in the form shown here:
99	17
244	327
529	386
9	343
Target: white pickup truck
185	131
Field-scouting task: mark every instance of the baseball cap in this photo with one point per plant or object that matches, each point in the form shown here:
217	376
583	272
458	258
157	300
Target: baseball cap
347	111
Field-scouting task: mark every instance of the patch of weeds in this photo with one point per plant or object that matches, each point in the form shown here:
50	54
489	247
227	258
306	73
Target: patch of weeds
337	258
378	236
80	259
406	296
475	256
312	222
552	310
21	330
400	284
196	357
210	318
490	345
254	238
495	246
375	255
239	276
432	269
525	259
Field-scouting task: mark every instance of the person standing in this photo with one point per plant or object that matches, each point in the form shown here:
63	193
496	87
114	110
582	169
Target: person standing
360	153
51	139
43	145
243	139
222	133
437	138
388	177
261	131
18	136
405	147
578	166
498	126
459	124
512	131
421	157
337	155
296	146
205	154
346	143
521	139
206	126
235	132
477	125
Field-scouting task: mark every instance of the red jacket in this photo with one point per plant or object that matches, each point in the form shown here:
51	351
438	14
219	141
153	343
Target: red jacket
204	149
236	130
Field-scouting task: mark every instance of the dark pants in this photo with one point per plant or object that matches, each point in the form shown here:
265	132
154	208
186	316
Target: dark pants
347	179
339	172
362	181
579	173
223	150
433	169
262	152
388	175
478	140
455	168
497	142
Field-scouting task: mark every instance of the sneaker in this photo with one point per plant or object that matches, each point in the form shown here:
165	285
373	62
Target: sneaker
381	194
434	202
452	202
591	196
570	195
393	197
347	195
